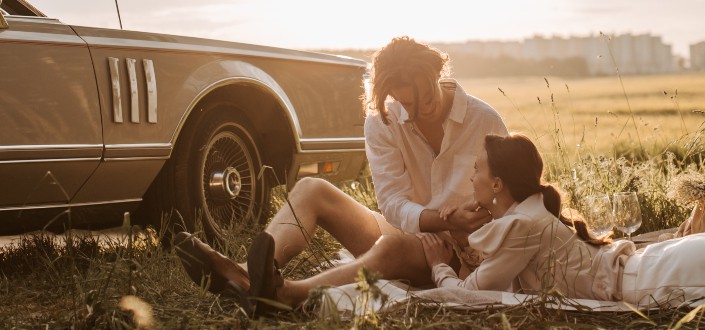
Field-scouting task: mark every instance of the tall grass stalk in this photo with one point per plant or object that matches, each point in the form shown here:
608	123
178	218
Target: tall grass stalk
624	90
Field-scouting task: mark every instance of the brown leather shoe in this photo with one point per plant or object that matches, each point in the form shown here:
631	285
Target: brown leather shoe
265	275
207	267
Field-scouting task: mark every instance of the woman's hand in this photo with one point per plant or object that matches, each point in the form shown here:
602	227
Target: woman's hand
436	250
445	211
469	217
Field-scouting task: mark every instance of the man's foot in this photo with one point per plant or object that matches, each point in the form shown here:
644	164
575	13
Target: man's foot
207	267
264	273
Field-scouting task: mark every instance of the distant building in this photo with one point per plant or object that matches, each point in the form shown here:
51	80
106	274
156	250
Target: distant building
633	54
697	56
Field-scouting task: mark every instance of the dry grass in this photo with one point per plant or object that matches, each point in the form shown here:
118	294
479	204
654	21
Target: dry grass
595	113
134	282
82	284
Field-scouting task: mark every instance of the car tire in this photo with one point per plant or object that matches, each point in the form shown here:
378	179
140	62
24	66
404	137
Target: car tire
212	180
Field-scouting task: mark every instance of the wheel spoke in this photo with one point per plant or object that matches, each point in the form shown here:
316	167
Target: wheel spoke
226	153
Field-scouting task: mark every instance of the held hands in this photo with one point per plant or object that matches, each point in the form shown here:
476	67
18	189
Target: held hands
445	211
467	217
436	250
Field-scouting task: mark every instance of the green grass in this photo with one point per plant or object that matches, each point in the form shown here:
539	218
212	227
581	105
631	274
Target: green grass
80	282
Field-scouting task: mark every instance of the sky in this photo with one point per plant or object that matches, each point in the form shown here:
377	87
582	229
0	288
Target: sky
330	24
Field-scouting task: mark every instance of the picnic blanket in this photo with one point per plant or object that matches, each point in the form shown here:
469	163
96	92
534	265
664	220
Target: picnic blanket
347	298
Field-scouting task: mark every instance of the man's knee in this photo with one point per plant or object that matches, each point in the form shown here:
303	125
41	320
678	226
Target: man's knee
311	188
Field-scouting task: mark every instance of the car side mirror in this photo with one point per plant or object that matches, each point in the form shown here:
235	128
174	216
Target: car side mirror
3	22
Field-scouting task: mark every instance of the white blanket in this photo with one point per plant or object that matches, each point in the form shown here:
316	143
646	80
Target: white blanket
346	298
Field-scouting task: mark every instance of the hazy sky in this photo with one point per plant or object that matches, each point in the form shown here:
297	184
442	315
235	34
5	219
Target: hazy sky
372	23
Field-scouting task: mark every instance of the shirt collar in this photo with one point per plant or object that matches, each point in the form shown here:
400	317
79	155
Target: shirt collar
457	110
459	107
532	205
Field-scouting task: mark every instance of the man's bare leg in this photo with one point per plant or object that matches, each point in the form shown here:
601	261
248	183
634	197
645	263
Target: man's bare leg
316	202
394	257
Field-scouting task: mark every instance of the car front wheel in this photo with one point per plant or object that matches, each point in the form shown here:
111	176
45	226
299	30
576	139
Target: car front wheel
212	176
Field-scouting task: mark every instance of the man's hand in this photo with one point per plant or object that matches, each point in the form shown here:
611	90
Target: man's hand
469	217
436	250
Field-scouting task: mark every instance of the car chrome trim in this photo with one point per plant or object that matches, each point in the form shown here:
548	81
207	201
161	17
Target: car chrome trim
279	95
254	51
49	146
51	206
137	145
114	64
134	94
137	151
123	159
49	160
151	90
337	139
58	152
324	144
25	37
331	151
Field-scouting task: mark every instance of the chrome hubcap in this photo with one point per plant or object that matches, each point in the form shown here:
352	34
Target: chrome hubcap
226	184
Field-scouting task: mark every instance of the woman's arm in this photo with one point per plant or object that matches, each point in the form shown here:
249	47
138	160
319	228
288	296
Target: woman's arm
500	267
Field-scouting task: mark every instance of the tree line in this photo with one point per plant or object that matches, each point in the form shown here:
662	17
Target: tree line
468	65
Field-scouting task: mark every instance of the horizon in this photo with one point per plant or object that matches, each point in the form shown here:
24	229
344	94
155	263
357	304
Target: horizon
320	24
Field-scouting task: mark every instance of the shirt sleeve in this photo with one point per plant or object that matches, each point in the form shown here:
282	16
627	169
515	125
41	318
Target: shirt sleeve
493	121
507	248
391	180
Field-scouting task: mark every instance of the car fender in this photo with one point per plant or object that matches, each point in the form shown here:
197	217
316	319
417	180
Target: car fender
227	72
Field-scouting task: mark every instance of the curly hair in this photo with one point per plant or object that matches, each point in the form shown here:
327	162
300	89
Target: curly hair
397	64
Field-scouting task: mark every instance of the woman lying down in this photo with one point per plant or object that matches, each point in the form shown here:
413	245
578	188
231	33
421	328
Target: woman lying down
528	244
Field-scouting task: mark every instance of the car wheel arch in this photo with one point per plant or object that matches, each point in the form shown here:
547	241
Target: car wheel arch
254	112
229	74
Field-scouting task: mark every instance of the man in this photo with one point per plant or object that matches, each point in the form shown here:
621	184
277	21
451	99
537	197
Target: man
423	134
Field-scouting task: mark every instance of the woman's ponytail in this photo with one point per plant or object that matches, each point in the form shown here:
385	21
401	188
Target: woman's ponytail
551	199
552	202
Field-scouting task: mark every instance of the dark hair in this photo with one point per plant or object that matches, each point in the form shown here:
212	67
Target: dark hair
397	64
516	161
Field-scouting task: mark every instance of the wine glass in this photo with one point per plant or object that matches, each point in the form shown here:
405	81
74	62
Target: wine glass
627	215
598	213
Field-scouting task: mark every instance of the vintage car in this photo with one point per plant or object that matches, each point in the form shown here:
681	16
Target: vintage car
188	127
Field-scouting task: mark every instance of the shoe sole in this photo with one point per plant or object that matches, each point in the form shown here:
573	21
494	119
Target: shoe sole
260	265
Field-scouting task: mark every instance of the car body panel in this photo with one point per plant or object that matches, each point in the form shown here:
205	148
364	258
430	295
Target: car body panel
49	113
311	88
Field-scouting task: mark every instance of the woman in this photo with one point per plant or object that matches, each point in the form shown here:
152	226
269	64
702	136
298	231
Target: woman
423	133
529	247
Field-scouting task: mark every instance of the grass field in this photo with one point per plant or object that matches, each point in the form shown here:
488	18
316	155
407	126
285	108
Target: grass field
82	284
595	113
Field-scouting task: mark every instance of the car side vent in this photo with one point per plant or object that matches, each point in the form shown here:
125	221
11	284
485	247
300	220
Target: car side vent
150	82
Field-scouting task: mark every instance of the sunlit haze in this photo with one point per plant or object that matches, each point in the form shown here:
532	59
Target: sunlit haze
307	24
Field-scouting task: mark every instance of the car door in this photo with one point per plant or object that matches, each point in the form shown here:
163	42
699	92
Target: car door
50	124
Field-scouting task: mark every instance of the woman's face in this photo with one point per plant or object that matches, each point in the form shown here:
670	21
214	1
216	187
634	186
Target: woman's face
483	181
424	103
